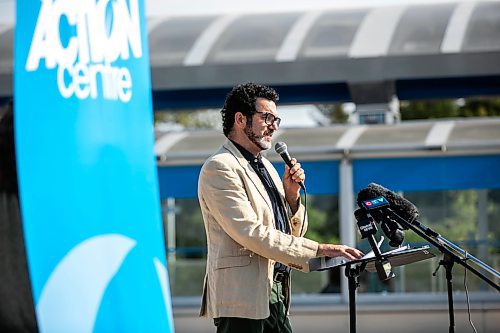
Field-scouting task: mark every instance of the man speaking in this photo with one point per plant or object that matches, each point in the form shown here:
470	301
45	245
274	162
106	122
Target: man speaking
254	221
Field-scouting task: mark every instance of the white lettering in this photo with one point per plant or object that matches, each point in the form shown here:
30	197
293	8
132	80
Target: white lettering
98	33
64	56
81	81
125	85
66	91
41	45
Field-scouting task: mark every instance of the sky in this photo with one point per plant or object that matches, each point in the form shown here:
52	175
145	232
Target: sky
211	7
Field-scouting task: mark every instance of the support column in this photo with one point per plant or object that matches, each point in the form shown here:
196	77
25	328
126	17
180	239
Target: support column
347	229
170	237
482	228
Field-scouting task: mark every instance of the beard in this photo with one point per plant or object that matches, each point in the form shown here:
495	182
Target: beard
259	140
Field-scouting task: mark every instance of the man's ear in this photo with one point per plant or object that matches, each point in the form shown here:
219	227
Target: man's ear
240	120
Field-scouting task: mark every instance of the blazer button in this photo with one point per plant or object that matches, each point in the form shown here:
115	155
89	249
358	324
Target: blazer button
295	266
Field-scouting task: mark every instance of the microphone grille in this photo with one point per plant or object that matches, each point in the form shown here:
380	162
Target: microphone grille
280	147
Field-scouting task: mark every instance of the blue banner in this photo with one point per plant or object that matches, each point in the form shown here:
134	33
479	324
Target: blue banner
87	174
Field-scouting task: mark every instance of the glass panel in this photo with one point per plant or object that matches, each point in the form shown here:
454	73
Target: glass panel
455	215
470	133
300	140
171	40
332	34
421	30
393	135
199	141
6	45
323	213
372	118
252	38
483	30
187	266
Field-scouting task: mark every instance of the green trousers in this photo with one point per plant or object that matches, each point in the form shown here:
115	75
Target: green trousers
277	322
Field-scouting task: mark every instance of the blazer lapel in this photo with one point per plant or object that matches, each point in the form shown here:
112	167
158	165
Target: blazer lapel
252	175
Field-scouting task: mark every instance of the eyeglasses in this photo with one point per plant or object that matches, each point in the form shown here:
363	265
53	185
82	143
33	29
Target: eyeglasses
270	119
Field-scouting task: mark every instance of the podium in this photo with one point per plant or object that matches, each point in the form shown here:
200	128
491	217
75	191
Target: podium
398	257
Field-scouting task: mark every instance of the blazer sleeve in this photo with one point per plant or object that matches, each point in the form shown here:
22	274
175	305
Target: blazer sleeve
297	220
226	199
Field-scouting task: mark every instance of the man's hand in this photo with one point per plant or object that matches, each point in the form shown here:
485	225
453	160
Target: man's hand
291	179
332	251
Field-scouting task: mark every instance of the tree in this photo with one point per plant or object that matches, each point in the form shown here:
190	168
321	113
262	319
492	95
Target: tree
480	108
474	107
453	214
190	118
428	109
335	112
323	217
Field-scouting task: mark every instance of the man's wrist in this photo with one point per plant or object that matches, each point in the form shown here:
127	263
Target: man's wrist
294	204
319	253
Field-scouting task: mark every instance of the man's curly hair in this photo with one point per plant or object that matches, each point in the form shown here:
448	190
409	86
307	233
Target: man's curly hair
242	99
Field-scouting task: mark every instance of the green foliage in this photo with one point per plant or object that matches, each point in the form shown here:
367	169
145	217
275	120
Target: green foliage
190	232
453	214
480	108
323	219
411	110
493	209
335	112
428	109
190	118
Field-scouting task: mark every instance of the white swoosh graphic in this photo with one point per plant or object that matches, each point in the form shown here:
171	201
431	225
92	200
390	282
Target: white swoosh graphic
72	295
162	273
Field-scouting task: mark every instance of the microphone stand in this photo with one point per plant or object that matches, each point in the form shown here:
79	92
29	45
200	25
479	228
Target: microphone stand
352	274
367	229
449	259
368	263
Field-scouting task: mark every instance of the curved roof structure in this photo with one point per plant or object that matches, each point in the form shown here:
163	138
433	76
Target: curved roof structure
410	138
360	54
410	156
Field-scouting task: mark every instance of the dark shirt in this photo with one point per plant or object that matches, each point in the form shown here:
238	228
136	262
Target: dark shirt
280	216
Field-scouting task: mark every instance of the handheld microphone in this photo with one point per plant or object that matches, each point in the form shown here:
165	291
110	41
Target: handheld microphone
376	206
368	229
282	150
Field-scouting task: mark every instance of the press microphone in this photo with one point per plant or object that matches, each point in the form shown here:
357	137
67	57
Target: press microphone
376	206
403	208
397	203
392	230
282	150
368	229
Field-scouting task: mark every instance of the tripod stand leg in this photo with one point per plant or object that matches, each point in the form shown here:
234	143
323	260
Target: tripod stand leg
352	275
448	265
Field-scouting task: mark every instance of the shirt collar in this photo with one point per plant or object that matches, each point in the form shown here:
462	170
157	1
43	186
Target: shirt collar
248	155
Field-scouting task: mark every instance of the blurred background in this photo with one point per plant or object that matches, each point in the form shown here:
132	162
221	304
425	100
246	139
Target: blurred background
402	93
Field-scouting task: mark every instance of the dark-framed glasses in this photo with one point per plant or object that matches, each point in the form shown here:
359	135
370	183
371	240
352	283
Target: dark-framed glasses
270	119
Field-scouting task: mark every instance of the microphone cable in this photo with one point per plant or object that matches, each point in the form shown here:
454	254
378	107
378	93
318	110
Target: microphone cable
467	296
305	211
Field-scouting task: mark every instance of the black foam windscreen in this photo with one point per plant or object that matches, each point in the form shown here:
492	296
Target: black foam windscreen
399	205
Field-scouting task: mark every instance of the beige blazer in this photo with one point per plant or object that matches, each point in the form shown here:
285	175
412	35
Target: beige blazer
243	243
